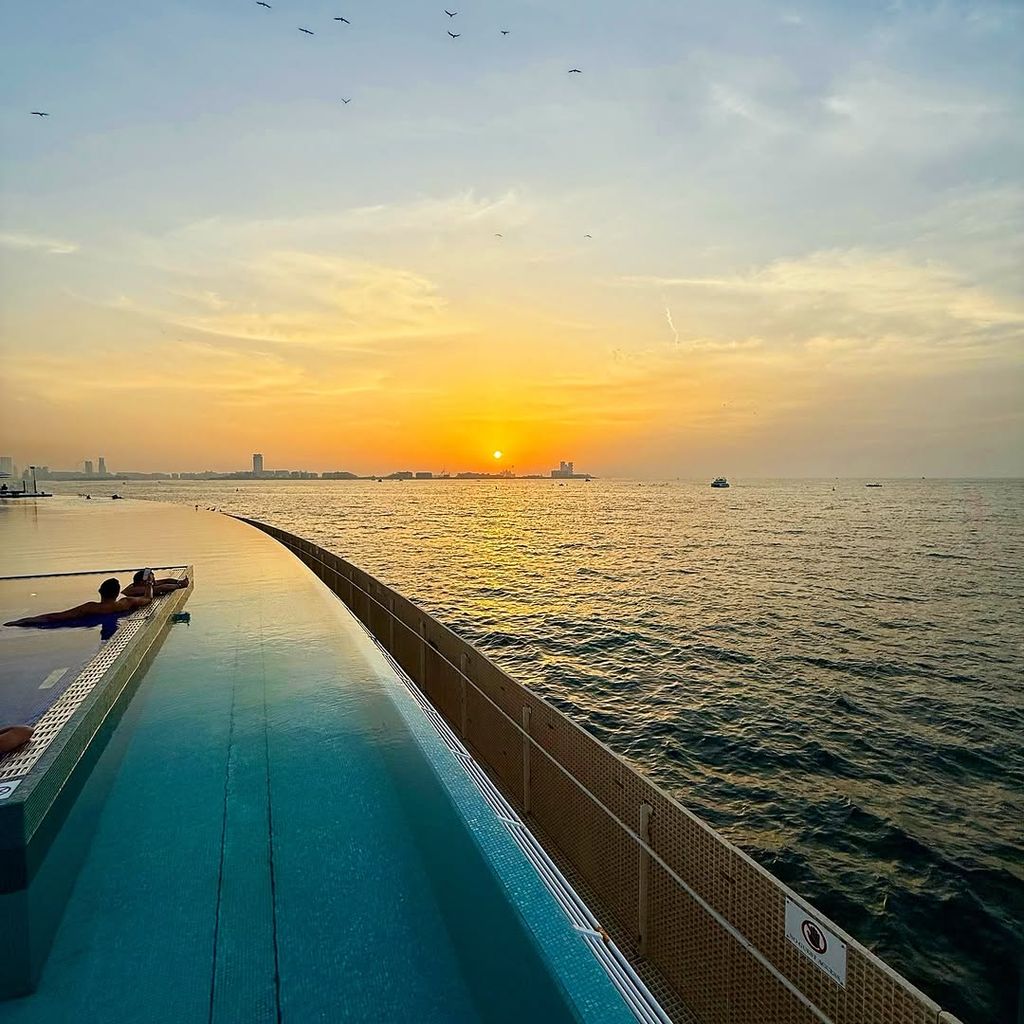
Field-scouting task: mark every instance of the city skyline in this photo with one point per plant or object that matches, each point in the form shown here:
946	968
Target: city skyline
500	469
749	240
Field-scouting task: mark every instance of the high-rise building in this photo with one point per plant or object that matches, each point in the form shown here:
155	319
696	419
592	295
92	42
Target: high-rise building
6	465
257	464
88	467
103	466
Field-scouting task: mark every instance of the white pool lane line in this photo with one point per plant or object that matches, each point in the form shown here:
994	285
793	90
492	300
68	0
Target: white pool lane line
53	678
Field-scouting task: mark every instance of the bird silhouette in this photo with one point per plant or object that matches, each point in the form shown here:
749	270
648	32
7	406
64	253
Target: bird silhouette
260	3
505	31
451	14
496	235
588	236
455	35
346	101
40	113
309	32
347	22
575	71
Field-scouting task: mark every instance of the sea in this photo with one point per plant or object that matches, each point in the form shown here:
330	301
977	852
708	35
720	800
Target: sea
830	674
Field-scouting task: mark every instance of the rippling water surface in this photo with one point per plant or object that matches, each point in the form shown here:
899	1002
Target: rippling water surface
829	674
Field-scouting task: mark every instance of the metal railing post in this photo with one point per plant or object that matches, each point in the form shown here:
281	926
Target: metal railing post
423	654
526	760
643	877
464	672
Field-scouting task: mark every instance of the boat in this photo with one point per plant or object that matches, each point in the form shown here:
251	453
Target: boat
719	481
352	815
872	485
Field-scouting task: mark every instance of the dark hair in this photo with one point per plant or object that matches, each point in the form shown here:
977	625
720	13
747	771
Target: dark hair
138	577
109	589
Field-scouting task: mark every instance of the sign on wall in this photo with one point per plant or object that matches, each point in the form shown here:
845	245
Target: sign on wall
816	942
7	788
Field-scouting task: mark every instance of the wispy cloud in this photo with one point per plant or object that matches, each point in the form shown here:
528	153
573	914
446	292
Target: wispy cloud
21	240
863	282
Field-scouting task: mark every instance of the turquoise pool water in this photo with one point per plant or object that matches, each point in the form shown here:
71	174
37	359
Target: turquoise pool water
271	832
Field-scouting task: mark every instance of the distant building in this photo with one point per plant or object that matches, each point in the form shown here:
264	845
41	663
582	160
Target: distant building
6	465
88	467
339	475
402	474
567	471
103	466
425	476
257	464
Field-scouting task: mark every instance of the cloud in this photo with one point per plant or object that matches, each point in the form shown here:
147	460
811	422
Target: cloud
306	299
876	285
461	211
54	246
875	109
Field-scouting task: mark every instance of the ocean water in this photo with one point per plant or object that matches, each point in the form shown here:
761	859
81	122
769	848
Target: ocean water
829	674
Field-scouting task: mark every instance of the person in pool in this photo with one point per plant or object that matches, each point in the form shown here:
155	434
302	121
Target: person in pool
110	603
145	577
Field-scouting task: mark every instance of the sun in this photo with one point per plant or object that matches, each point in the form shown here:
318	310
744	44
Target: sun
498	455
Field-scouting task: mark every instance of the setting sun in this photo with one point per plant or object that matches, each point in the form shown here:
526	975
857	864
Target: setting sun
498	455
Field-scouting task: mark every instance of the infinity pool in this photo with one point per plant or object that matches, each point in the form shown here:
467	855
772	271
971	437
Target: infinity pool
270	832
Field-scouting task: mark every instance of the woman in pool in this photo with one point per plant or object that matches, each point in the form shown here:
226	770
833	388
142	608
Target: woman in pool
146	578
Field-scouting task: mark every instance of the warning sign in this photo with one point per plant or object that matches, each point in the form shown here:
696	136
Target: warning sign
816	942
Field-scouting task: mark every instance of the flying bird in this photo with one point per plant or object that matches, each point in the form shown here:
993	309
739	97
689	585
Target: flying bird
588	236
451	14
455	35
496	235
40	113
346	101
309	32
575	71
347	22
260	3
505	31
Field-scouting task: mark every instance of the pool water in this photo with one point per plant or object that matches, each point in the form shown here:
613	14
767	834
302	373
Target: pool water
274	835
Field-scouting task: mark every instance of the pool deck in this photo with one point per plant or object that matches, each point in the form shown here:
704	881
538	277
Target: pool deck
276	836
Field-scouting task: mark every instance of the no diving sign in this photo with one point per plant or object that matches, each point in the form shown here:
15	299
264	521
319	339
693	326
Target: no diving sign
7	788
816	942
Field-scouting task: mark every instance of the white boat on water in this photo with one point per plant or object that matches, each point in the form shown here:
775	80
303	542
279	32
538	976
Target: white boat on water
719	481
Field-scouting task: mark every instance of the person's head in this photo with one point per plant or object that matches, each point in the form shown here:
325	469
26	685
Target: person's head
109	589
139	577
